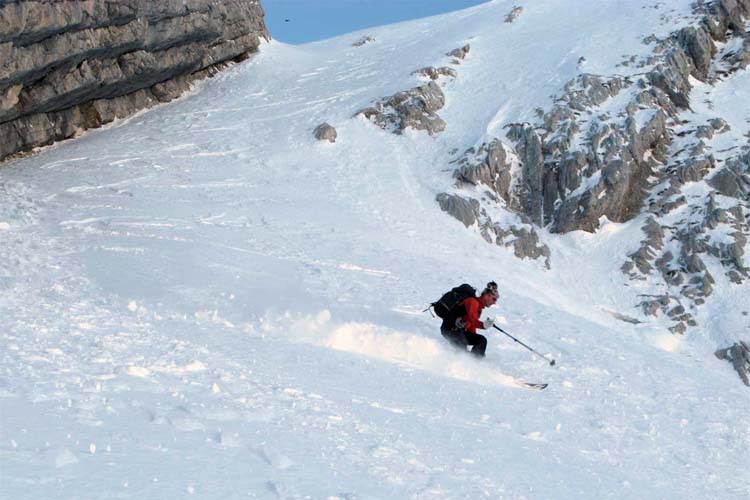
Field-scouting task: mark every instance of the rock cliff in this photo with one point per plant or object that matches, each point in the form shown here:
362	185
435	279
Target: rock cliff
66	66
617	147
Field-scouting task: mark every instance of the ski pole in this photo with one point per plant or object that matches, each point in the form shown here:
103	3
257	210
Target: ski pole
551	363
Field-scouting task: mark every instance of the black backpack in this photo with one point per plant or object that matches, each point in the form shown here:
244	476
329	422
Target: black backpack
445	307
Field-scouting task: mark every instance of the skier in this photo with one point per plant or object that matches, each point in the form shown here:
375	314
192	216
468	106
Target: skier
460	325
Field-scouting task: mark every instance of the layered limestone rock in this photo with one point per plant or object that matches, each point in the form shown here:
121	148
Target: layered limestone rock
71	65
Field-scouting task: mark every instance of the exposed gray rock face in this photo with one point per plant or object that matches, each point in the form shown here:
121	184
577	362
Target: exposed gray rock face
725	16
694	169
739	356
524	240
734	179
530	191
71	65
465	210
486	165
415	108
652	306
704	132
671	75
624	168
617	157
642	258
698	45
325	132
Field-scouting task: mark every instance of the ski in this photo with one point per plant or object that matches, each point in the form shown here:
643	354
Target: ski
534	386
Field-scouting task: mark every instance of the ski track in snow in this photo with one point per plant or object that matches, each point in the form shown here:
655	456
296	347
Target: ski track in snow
202	301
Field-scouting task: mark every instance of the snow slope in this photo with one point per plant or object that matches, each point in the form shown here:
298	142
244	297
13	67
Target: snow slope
203	301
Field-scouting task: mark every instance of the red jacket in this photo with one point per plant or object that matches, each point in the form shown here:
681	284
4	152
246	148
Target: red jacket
474	308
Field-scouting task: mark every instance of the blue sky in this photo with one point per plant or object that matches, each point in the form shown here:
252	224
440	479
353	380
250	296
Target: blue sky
302	21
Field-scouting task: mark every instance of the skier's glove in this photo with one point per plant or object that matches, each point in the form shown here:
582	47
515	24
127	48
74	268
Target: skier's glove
488	323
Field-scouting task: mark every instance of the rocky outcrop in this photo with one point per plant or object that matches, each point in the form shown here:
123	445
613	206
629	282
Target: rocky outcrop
488	168
739	356
70	65
363	41
414	108
682	267
434	73
463	209
521	237
734	179
645	255
460	53
671	306
486	165
580	164
615	156
417	107
617	147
